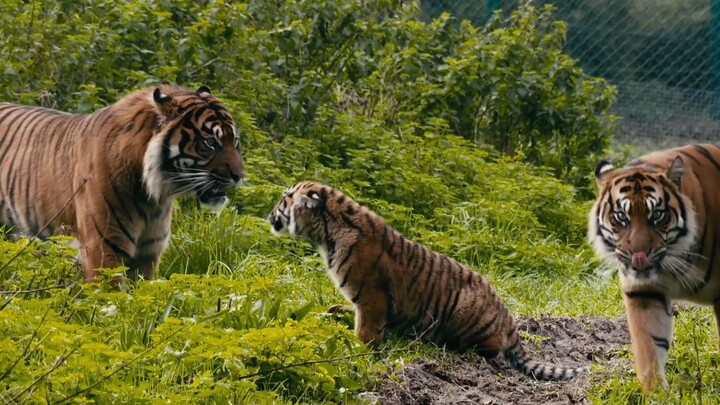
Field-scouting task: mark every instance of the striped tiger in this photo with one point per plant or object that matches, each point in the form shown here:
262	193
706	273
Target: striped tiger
656	220
109	177
397	284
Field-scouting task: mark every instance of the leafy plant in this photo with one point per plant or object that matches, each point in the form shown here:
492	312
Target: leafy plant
469	140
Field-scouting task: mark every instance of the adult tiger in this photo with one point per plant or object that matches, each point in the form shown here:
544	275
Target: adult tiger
110	176
398	284
657	217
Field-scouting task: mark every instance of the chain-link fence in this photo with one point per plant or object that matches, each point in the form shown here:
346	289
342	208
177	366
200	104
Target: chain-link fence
663	55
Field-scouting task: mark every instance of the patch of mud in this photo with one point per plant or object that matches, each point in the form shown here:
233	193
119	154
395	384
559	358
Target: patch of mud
464	378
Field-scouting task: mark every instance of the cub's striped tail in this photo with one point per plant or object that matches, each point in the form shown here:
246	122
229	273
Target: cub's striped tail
520	360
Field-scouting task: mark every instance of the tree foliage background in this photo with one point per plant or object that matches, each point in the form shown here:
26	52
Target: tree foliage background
477	141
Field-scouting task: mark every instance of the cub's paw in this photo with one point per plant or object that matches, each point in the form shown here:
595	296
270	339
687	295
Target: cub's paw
341	309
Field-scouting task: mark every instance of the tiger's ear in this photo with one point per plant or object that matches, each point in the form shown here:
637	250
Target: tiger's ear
312	199
163	103
203	91
160	98
676	170
601	169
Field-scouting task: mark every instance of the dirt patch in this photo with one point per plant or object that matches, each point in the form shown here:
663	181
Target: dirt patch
464	378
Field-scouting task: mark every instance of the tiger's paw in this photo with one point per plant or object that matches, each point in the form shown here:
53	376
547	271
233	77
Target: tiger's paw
341	309
370	337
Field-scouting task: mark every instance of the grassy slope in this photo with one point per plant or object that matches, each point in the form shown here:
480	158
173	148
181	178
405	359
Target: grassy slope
236	307
258	282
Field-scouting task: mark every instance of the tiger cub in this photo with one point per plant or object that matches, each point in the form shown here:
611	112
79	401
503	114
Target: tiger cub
658	219
400	285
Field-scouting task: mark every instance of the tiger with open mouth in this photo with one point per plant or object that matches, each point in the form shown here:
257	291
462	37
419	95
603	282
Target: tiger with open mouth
111	176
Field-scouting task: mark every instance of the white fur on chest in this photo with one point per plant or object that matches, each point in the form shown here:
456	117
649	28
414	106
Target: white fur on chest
337	276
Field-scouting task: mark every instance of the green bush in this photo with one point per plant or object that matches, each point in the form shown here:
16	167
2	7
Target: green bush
462	138
295	65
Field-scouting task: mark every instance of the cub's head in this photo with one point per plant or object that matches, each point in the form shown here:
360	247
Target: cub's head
300	211
194	149
642	220
312	211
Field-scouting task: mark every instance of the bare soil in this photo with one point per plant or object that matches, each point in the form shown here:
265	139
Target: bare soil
465	378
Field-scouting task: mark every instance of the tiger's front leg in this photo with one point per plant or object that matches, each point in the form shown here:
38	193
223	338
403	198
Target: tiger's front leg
371	316
716	309
649	316
102	244
146	267
95	254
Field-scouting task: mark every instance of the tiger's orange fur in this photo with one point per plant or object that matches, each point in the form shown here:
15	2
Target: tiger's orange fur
657	220
397	284
110	176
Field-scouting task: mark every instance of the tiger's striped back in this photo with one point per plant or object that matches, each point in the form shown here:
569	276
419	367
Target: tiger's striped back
397	284
26	155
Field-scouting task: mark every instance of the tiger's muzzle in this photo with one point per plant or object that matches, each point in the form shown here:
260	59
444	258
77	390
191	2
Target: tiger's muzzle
215	194
226	173
641	264
277	222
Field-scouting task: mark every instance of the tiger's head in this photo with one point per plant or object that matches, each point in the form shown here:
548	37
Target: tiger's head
643	220
298	212
194	149
310	211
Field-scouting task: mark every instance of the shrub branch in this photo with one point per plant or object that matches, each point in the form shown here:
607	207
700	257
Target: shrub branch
59	362
123	366
329	360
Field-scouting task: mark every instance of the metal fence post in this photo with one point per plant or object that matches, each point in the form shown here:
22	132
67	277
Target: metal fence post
714	42
493	5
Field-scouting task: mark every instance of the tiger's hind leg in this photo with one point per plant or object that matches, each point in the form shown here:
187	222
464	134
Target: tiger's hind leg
649	316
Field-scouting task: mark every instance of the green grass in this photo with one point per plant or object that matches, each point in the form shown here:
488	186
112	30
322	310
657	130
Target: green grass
357	94
238	317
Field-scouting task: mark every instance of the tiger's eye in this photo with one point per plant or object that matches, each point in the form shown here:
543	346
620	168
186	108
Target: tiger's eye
657	215
211	143
620	216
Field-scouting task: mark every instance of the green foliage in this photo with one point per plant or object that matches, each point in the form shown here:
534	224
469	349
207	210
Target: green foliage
299	66
463	139
192	334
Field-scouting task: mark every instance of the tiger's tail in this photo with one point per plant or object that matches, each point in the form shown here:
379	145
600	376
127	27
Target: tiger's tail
520	360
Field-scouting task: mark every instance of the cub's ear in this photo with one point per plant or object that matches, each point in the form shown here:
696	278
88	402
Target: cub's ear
203	91
312	200
676	170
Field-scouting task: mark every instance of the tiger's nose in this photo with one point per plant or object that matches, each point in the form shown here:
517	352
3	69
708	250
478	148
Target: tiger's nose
639	261
235	173
275	222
